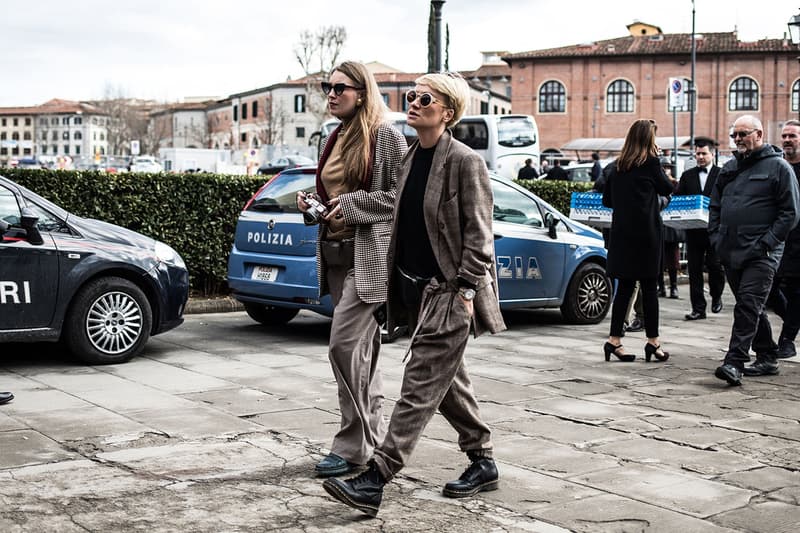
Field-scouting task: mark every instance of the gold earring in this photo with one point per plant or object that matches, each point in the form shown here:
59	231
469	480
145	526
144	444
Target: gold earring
359	101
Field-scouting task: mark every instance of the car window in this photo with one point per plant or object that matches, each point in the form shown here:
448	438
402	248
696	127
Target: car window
9	208
510	205
516	132
579	174
47	220
473	134
281	193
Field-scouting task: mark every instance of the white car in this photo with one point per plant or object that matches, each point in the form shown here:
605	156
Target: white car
146	163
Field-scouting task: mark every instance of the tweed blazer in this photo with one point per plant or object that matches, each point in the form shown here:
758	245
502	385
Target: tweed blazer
458	208
371	212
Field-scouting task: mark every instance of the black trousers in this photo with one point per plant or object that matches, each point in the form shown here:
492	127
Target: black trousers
751	285
649	288
790	292
699	252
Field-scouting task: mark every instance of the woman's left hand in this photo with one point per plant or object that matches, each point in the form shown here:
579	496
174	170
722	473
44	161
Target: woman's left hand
335	218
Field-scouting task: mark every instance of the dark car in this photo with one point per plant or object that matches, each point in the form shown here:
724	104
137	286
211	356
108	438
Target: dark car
282	163
543	259
102	289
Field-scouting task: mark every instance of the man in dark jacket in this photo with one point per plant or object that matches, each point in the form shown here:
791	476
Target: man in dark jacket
557	173
701	180
754	206
527	172
597	168
789	270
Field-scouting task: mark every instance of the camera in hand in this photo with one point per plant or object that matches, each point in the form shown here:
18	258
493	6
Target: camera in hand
317	209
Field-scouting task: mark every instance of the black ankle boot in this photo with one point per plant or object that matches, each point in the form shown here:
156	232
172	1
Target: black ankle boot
480	476
363	492
786	348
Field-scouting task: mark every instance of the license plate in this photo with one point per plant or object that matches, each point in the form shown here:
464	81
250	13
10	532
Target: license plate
262	273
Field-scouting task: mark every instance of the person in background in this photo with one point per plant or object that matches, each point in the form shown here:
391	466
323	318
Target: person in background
672	239
356	180
527	172
5	397
632	189
789	269
597	168
443	281
754	206
695	181
557	173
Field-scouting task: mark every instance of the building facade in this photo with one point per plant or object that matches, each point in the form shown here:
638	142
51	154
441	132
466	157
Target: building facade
597	90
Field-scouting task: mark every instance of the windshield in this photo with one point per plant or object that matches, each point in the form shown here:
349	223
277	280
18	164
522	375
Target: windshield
473	133
516	131
280	194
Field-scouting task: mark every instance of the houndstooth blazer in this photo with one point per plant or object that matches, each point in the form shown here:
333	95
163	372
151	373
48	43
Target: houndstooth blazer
371	212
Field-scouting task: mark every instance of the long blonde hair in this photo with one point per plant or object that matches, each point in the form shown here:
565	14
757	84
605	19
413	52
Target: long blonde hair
363	125
640	143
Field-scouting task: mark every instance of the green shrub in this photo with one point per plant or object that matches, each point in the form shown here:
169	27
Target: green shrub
555	193
194	213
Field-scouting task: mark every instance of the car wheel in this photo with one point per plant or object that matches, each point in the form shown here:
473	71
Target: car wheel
588	296
108	322
269	315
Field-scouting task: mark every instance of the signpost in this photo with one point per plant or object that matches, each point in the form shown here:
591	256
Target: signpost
677	98
134	147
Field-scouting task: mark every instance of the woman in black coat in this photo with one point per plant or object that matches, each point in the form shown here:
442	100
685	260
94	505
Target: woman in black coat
635	242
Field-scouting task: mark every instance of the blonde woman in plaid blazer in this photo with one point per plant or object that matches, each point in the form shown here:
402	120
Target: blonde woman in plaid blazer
356	181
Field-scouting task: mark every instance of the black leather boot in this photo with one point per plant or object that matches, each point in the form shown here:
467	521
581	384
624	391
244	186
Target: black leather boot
765	365
786	348
363	492
480	476
5	397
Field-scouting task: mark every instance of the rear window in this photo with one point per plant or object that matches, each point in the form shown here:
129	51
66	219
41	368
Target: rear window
474	134
280	194
516	132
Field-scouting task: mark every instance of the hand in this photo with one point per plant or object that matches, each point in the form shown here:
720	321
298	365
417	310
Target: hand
301	203
334	210
468	304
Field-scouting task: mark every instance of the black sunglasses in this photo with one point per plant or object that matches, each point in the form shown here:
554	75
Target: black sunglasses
425	99
741	134
338	88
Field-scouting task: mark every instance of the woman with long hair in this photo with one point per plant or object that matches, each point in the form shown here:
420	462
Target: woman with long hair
354	202
635	244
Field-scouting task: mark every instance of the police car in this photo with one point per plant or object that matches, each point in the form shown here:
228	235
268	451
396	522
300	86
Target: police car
102	289
544	259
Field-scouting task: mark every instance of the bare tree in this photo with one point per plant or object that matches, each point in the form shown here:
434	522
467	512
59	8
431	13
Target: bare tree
128	120
317	54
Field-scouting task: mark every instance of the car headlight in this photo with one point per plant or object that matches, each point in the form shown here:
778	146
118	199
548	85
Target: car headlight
167	255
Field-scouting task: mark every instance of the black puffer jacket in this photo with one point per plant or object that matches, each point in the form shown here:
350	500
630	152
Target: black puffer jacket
790	263
754	206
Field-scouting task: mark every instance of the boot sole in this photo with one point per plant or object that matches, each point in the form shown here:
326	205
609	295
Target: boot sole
484	487
331	488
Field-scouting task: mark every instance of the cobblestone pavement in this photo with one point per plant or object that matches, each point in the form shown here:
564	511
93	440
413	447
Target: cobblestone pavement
218	425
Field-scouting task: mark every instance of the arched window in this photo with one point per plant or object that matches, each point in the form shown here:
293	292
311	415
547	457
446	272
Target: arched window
619	97
796	96
77	136
743	95
552	97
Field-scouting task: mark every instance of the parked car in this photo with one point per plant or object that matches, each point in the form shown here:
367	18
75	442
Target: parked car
29	162
576	172
145	163
282	163
544	259
102	289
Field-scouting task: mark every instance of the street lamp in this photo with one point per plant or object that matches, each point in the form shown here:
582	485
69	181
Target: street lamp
794	34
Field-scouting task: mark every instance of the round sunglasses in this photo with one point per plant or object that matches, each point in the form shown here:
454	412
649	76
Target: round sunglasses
337	88
425	99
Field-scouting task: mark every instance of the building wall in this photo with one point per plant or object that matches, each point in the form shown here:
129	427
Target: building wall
586	81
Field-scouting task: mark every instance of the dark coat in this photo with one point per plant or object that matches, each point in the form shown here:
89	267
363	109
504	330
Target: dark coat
754	206
635	241
557	173
689	185
790	263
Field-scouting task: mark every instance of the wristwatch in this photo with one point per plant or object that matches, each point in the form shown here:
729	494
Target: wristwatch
466	293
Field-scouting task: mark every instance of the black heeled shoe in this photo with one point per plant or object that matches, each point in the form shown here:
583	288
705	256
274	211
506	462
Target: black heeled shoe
651	350
609	348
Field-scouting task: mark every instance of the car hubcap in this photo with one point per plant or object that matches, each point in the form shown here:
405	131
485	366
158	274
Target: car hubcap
114	323
593	295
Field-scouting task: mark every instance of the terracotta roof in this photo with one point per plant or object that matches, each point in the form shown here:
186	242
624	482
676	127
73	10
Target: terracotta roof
668	43
18	110
494	71
56	105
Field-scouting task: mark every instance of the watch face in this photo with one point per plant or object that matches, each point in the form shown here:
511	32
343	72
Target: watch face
467	294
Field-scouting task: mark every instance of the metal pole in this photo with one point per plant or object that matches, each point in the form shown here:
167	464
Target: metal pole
674	159
437	30
692	91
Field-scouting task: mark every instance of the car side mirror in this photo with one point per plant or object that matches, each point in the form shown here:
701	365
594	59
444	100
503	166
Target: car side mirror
28	222
3	227
550	222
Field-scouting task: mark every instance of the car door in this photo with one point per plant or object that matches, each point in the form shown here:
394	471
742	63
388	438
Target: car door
28	273
530	265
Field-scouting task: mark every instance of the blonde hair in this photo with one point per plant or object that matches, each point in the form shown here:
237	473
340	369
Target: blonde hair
362	126
640	143
453	87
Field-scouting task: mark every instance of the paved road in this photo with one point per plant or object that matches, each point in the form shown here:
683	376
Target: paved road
217	428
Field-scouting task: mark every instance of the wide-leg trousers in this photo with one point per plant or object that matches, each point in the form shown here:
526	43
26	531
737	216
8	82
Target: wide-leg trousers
353	353
435	377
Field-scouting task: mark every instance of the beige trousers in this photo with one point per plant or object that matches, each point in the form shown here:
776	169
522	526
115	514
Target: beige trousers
353	352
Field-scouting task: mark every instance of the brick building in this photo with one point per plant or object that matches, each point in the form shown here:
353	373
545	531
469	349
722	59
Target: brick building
598	89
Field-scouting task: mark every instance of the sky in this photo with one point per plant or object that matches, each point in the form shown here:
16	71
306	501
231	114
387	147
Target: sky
170	50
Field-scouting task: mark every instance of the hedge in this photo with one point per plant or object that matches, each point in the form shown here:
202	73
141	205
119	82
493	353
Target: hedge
194	213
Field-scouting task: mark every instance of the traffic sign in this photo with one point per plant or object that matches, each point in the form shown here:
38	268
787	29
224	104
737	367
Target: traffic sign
677	93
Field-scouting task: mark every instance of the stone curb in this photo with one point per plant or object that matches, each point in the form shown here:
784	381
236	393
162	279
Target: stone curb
196	306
